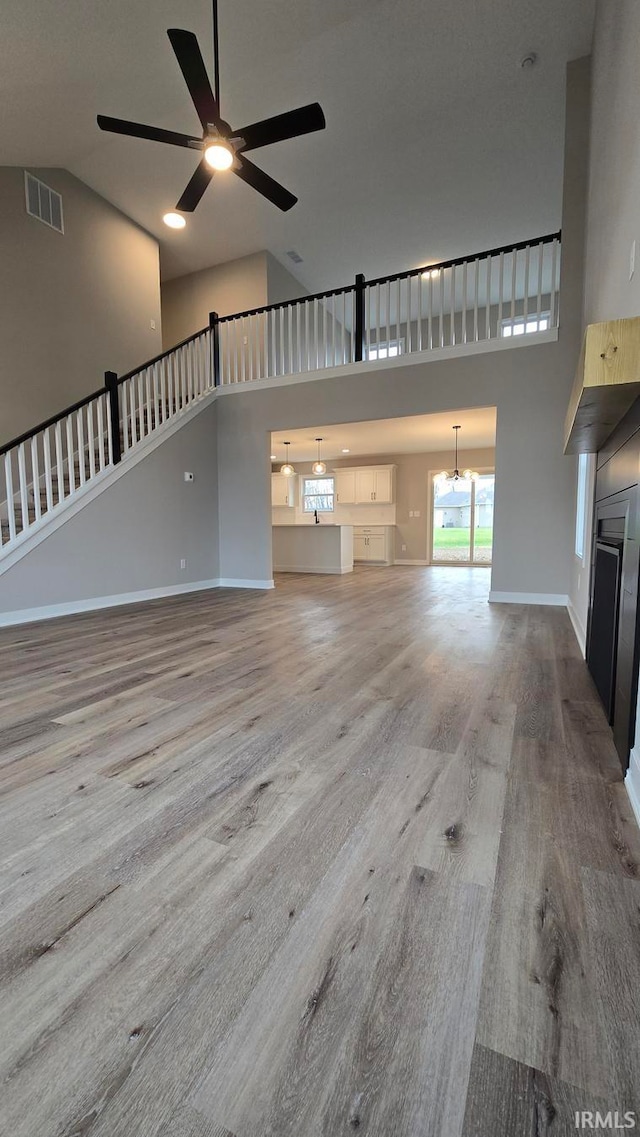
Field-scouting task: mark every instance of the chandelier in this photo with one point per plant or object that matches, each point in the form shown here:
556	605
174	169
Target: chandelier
455	475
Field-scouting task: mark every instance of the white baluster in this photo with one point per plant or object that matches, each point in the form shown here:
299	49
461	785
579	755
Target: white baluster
11	505
35	477
476	288
487	318
452	321
527	260
23	486
91	441
441	313
553	319
539	299
81	455
71	465
500	291
100	416
464	302
48	479
59	456
514	269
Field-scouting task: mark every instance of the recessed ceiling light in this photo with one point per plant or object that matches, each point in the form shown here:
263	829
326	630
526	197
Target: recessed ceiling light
219	155
346	451
174	220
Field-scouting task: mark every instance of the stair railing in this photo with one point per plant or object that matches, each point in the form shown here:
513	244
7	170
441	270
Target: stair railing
496	295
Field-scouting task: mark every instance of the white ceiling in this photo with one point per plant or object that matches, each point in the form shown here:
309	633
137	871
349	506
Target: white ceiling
412	435
437	142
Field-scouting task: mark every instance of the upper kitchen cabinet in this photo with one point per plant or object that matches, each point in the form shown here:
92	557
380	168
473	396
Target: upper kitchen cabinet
345	487
375	484
283	490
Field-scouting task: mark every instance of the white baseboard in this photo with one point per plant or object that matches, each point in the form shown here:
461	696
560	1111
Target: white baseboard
409	562
632	783
73	607
557	599
319	569
235	582
578	627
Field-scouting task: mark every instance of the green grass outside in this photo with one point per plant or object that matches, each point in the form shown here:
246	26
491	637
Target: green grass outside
459	538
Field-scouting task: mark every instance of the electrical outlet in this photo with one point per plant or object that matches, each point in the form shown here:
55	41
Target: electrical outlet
416	513
632	259
404	548
153	325
188	477
183	563
410	513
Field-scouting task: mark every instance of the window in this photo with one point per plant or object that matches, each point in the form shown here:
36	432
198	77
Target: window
318	494
518	326
581	504
385	350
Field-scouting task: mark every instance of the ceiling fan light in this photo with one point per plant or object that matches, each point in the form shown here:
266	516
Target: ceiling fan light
443	476
174	220
219	155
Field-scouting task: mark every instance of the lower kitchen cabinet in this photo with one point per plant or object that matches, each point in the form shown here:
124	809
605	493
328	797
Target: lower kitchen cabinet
373	543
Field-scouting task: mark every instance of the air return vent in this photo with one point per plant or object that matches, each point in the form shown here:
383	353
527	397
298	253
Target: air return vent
294	256
43	202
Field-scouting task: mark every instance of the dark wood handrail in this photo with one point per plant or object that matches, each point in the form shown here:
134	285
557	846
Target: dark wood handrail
51	421
516	247
163	355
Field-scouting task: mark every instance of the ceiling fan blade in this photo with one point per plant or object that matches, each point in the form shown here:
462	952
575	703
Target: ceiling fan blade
139	130
304	120
195	188
264	184
189	56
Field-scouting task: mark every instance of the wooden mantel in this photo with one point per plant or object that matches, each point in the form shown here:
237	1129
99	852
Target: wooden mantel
607	383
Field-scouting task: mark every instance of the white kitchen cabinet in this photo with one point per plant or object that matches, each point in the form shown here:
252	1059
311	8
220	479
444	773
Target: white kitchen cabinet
373	543
374	485
345	487
284	490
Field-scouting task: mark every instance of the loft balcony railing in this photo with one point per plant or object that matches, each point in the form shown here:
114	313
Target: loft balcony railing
496	295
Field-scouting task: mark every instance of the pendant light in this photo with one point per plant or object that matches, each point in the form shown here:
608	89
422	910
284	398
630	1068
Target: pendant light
319	467
455	475
286	467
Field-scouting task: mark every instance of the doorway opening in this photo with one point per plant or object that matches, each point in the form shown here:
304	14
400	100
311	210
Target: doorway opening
462	520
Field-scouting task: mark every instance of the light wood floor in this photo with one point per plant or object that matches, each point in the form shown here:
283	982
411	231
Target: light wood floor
350	856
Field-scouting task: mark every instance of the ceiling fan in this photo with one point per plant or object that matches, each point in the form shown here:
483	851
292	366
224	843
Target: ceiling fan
222	147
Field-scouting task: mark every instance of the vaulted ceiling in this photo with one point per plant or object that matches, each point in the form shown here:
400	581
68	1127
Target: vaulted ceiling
437	143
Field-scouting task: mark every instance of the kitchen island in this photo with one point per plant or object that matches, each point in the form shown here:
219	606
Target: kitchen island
323	548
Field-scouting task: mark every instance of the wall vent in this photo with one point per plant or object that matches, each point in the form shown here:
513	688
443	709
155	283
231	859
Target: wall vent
294	256
43	202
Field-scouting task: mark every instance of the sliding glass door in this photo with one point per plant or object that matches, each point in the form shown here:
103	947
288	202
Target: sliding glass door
462	521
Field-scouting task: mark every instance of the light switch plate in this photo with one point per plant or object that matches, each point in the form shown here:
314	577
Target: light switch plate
188	477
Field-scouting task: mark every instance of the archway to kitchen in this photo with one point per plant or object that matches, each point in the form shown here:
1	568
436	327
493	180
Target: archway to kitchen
378	488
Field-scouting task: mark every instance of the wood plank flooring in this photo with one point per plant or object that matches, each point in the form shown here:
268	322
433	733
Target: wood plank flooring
351	856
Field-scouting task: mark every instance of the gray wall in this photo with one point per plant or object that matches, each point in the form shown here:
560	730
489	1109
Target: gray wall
535	483
235	286
133	536
72	305
281	284
614	169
